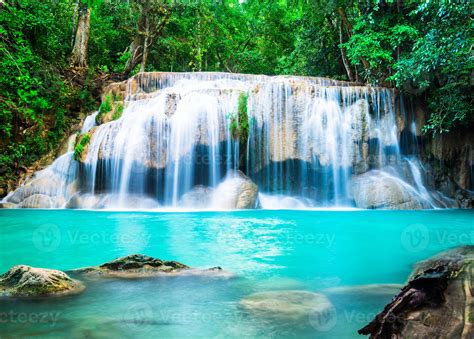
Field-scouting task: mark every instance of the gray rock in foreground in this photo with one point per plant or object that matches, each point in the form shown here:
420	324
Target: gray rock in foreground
27	281
437	301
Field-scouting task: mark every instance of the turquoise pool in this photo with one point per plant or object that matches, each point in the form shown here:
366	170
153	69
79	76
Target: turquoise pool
336	253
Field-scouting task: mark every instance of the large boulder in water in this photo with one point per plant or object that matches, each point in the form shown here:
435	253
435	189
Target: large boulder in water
142	266
436	302
237	191
133	266
377	189
286	304
27	281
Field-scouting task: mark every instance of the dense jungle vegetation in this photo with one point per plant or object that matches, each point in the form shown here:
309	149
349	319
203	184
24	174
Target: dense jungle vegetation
56	54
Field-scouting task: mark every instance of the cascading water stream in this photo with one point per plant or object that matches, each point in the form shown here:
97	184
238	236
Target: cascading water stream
308	140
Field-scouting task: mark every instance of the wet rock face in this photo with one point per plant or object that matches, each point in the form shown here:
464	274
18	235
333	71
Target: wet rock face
133	266
436	302
377	190
27	281
48	188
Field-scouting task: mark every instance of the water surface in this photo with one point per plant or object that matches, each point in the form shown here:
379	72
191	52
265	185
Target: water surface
335	253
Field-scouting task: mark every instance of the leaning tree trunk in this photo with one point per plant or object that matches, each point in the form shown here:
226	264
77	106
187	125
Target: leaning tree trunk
348	26
347	65
148	31
135	51
81	42
146	43
136	47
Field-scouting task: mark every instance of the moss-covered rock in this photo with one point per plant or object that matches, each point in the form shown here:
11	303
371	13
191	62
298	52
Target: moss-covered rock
82	145
27	281
142	266
133	266
111	108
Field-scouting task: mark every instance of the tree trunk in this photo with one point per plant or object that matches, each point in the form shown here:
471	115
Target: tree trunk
145	46
81	42
137	46
347	65
148	31
348	26
135	51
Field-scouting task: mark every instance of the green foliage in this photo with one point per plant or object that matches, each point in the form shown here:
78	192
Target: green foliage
118	112
81	144
423	49
105	107
34	42
239	122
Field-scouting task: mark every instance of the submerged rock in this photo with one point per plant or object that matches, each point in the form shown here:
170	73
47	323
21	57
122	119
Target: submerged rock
376	189
27	281
436	302
365	290
286	304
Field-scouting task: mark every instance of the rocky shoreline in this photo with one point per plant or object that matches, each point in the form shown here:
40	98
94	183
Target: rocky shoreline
32	282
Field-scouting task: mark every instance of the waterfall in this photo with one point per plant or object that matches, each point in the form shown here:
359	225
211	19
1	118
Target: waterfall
89	122
309	141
